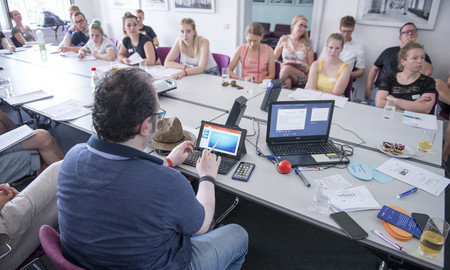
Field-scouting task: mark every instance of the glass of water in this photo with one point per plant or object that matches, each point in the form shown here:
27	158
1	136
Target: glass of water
389	110
8	89
321	199
225	75
248	85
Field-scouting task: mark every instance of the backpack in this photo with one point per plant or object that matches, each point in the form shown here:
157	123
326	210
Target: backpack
48	18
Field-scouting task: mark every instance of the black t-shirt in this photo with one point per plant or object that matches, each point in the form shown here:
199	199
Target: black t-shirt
140	47
413	91
388	62
147	30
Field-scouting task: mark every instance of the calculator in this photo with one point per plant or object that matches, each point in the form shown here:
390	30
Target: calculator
243	171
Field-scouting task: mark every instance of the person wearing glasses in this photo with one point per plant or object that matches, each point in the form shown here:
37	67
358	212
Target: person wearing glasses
145	29
297	52
20	33
353	52
195	56
71	26
74	40
387	62
119	207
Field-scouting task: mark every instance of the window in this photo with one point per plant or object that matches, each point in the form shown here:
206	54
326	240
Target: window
30	9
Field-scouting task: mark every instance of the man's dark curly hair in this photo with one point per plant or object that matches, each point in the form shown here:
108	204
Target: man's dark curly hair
123	99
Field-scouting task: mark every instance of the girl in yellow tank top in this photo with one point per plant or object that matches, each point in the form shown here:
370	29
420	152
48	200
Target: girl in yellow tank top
331	74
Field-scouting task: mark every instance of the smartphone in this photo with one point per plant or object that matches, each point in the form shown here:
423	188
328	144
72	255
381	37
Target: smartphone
349	225
400	220
5	249
243	171
421	219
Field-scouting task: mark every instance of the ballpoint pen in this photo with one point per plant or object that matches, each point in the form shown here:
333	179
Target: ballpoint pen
401	195
300	174
392	243
413	117
310	168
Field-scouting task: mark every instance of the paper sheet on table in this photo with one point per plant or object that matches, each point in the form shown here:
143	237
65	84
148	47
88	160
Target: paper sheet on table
353	199
414	175
15	136
161	71
69	54
87	57
28	97
135	59
67	110
333	183
420	120
304	94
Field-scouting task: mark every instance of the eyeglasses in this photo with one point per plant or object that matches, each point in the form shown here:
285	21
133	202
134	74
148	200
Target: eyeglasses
406	32
160	115
80	21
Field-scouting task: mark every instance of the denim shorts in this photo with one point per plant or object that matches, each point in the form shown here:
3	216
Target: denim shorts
15	163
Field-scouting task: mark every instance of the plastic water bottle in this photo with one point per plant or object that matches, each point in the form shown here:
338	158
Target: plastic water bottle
94	78
41	42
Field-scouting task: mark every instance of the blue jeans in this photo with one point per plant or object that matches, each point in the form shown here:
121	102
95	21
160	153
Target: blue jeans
222	248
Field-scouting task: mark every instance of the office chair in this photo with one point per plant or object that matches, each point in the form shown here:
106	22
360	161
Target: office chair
162	53
277	70
51	243
349	89
222	61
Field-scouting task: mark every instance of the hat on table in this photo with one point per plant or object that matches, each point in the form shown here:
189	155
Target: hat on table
169	133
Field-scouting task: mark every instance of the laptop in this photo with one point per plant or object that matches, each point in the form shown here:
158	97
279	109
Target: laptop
164	85
298	131
230	146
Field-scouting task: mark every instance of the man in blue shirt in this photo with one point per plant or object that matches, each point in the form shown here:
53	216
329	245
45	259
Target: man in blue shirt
120	208
74	40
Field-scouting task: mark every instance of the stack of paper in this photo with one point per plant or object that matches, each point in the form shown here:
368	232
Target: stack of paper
28	97
68	110
420	120
303	94
14	136
353	199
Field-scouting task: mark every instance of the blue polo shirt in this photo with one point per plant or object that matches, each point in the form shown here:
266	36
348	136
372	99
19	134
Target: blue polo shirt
79	39
119	208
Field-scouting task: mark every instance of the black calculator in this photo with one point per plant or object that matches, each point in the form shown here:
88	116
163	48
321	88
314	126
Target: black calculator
243	171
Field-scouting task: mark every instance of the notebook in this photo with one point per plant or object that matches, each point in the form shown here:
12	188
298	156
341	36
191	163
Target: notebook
298	131
230	147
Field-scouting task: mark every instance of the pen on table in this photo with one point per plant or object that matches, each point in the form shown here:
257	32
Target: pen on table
300	174
413	117
310	168
406	193
212	148
382	236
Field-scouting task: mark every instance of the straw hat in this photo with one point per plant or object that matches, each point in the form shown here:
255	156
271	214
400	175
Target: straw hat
169	133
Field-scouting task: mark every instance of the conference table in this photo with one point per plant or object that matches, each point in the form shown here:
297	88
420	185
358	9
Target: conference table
202	97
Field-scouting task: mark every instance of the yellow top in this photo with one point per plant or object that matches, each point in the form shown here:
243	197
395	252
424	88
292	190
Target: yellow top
326	83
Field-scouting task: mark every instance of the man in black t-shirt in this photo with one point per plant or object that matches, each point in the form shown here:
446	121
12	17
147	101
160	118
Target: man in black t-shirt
388	62
144	29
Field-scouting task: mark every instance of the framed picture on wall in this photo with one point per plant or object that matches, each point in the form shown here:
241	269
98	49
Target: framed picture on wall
260	2
204	6
281	2
305	2
127	4
155	4
396	13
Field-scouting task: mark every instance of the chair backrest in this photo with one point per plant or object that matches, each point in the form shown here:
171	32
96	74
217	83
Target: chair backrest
266	27
281	29
51	243
348	91
162	53
16	42
222	61
277	70
434	110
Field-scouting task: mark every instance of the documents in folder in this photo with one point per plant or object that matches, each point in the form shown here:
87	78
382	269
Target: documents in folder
28	97
14	136
303	94
353	199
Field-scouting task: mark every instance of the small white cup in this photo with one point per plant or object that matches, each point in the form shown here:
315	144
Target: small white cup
248	85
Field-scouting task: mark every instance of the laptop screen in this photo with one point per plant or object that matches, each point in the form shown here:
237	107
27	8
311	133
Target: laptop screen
229	139
299	120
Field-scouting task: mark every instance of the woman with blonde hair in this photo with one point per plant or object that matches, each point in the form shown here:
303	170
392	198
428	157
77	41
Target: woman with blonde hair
195	57
297	52
20	32
136	42
408	89
98	45
330	74
257	60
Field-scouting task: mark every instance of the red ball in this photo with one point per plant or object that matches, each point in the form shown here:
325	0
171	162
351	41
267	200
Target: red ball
284	166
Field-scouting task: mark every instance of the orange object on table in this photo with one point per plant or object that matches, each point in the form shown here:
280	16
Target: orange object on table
396	232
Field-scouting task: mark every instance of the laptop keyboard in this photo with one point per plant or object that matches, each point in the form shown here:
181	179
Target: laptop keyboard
304	148
225	163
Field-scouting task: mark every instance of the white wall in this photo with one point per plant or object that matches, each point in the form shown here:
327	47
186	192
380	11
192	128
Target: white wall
279	14
376	38
223	36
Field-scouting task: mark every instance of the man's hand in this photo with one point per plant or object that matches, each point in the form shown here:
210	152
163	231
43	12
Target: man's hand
179	154
208	164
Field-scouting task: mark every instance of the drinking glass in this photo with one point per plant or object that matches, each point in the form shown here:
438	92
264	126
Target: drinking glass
248	84
143	66
427	139
321	199
433	237
8	89
225	75
389	110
